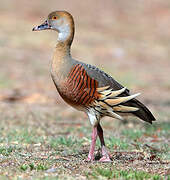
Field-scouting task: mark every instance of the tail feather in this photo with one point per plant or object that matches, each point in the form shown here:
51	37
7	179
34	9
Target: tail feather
143	112
119	101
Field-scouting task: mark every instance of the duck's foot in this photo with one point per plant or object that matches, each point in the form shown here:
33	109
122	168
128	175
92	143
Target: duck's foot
90	158
105	155
105	158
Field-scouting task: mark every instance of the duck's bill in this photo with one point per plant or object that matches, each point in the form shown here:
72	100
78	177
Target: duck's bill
43	26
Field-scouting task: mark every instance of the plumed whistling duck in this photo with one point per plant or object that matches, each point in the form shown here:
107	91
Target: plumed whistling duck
87	88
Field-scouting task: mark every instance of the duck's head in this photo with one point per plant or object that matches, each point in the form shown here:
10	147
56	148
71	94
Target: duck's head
60	21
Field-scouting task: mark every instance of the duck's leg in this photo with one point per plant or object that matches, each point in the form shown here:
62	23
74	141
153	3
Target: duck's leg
93	144
105	156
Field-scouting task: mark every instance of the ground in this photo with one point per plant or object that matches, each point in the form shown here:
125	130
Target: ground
43	138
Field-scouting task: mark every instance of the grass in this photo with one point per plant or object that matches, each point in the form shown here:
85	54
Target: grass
5	151
63	141
32	166
99	173
21	135
46	146
117	143
37	151
132	134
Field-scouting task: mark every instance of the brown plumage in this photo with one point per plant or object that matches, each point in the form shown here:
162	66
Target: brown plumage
81	86
86	87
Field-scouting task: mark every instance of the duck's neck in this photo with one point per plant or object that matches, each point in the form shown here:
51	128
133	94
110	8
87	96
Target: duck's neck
62	57
62	51
64	41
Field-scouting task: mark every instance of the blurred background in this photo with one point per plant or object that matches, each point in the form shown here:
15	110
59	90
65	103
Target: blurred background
130	40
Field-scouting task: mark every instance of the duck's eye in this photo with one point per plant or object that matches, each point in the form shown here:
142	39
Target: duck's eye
54	17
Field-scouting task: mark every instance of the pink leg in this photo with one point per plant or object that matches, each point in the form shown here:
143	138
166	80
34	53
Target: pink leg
105	156
93	143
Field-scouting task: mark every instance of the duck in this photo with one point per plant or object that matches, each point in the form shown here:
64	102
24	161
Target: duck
87	88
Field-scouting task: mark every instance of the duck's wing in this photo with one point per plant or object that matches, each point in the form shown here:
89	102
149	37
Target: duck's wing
126	103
